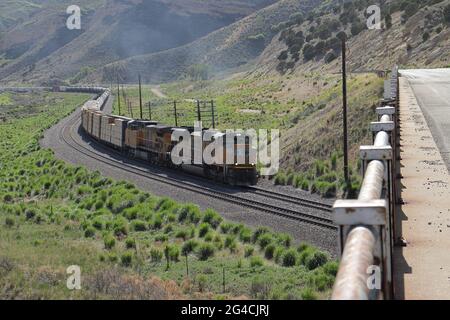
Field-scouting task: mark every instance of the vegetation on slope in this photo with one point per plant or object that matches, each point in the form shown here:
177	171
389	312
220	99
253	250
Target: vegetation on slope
128	243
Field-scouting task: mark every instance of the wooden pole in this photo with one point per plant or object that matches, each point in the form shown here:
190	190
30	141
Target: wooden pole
175	112
140	98
344	113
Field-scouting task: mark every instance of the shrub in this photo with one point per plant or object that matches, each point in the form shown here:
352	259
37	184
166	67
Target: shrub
230	243
330	56
264	240
248	251
98	223
9	222
269	252
189	246
447	14
139	225
89	232
157	222
156	255
130	243
284	239
212	217
316	260
305	254
182	234
7	198
245	235
126	259
120	226
202	282
30	214
256	261
278	254
205	251
280	179
331	268
203	229
225	227
186	211
289	258
174	252
258	233
109	242
260	288
321	281
308	294
425	36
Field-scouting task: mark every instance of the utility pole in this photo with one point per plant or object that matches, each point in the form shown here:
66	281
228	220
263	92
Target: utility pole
175	112
150	110
140	97
199	116
118	93
344	114
213	115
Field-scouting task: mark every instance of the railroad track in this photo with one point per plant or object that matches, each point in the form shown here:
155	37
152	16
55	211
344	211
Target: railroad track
292	199
67	135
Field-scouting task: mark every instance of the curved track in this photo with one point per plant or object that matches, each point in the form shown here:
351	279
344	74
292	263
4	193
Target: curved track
304	219
67	135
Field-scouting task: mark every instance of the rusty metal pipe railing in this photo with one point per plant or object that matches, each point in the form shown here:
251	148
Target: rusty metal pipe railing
351	280
365	224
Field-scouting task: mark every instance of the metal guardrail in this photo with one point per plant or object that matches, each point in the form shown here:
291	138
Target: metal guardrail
366	225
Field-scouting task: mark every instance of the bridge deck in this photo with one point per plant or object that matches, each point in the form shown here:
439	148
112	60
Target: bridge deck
422	269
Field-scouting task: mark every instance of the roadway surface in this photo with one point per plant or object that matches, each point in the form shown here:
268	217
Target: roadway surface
432	91
422	268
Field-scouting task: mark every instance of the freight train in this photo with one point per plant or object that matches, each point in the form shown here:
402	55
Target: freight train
152	141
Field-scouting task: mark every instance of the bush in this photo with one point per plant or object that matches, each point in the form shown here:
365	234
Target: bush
156	255
98	223
120	226
322	281
226	227
289	258
157	222
139	225
256	261
186	212
270	251
7	198
9	222
331	268
284	239
308	294
260	288
245	235
316	260
126	259
30	214
264	240
205	251
212	217
89	232
248	251
258	233
109	242
230	243
278	254
447	14
189	246
174	252
182	234
130	243
330	56
280	179
203	229
425	36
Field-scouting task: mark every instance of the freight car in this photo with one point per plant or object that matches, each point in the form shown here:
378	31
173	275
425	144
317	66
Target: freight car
152	141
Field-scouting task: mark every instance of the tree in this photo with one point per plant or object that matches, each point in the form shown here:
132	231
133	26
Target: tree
388	20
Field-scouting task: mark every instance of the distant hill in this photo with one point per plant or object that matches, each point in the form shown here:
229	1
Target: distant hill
35	44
